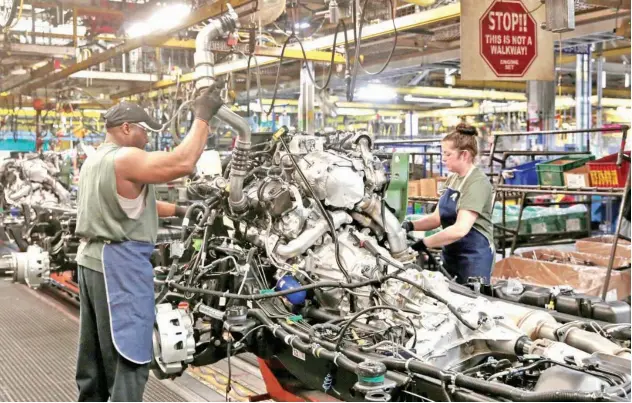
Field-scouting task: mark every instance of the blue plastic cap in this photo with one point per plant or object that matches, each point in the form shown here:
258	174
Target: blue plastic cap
288	282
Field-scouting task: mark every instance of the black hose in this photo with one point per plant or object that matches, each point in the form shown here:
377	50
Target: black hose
187	218
350	356
183	238
255	297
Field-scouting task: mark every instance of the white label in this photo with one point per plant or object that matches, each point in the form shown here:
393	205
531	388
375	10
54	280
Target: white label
222	301
298	354
576	181
573	224
538	228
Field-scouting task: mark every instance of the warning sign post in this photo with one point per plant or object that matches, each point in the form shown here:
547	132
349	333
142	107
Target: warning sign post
511	45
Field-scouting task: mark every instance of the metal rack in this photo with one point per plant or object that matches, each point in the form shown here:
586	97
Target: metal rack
427	156
522	193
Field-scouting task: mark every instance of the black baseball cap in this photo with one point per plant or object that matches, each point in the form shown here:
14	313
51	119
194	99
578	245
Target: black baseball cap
130	113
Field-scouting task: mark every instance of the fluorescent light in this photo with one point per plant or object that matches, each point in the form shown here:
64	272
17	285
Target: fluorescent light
374	92
453	103
164	18
301	25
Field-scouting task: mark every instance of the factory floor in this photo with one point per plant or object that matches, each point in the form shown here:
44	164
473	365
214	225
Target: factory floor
39	330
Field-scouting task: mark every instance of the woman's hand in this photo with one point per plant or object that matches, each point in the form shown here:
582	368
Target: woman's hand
464	222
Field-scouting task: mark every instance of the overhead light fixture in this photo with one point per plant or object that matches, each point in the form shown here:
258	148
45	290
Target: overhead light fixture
451	102
302	25
165	18
373	92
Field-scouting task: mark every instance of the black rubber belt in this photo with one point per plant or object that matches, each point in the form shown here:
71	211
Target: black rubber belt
38	351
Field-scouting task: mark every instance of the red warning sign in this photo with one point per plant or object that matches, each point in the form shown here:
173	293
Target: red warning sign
508	38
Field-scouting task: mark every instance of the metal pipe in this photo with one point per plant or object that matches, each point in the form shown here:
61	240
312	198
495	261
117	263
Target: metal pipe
606	192
203	56
204	78
553	132
415	141
394	233
239	167
624	201
541	325
299	245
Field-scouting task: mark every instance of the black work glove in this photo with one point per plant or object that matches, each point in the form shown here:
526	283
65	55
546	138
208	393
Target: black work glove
420	246
408	226
208	103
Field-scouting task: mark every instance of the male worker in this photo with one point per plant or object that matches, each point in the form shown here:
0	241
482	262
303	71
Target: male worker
117	218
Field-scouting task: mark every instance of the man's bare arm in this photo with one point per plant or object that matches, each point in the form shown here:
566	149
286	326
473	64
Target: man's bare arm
141	167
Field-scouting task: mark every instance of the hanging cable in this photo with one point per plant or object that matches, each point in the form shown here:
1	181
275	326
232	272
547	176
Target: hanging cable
342	24
358	43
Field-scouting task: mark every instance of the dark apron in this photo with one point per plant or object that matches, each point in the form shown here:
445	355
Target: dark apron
472	255
129	283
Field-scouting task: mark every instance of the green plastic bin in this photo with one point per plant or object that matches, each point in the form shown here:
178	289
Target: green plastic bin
574	218
551	173
543	224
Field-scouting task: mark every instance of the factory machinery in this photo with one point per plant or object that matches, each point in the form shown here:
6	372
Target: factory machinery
301	263
293	255
40	219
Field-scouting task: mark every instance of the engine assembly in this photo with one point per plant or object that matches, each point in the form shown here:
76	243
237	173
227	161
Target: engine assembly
32	179
293	255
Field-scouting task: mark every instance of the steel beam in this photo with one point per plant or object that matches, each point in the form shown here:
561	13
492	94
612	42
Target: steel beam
311	55
38	50
114	76
199	15
19	80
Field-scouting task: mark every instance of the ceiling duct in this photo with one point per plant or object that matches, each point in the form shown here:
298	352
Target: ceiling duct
267	12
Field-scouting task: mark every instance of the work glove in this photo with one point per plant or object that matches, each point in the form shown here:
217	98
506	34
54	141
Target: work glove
208	103
408	226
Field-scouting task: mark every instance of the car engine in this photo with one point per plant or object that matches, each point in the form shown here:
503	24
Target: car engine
32	179
293	255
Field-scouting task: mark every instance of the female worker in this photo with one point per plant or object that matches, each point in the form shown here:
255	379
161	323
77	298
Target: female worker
464	211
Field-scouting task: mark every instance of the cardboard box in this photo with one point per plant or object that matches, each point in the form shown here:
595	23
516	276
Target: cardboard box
584	279
577	178
602	245
413	188
427	187
576	258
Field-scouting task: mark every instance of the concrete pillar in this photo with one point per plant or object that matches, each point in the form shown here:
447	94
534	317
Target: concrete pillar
583	91
306	100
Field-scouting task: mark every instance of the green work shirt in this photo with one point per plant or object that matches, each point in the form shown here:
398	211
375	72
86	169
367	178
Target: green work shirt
100	216
476	195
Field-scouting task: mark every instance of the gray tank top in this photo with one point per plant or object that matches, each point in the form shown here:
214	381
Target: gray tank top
100	217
